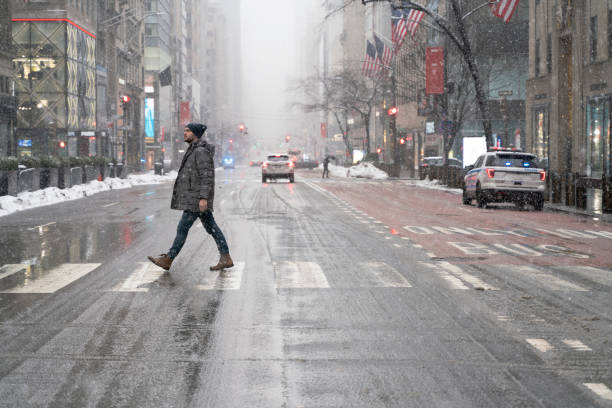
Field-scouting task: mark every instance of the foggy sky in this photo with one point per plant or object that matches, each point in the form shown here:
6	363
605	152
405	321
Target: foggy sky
270	33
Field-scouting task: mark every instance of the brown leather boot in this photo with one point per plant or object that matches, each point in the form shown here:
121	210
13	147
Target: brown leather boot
224	262
163	261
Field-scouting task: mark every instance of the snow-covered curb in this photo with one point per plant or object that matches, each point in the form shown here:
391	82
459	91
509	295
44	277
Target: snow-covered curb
435	185
10	204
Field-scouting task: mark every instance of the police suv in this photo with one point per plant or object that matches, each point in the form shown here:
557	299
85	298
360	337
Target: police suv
505	175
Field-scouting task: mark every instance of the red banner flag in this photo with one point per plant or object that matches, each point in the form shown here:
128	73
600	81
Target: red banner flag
323	129
434	70
185	113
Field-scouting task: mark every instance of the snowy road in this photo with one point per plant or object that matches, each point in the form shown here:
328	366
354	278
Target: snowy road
329	304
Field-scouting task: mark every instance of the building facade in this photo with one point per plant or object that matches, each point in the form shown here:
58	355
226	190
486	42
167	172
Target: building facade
55	77
569	97
8	144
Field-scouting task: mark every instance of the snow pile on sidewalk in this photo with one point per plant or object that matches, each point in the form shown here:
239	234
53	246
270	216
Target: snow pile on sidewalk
367	170
10	204
362	170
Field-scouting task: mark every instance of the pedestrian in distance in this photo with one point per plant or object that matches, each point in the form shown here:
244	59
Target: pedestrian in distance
325	167
194	192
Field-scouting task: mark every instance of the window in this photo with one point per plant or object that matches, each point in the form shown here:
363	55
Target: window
598	141
537	58
540	134
549	54
593	38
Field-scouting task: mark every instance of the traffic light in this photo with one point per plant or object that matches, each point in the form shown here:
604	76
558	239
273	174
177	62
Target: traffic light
61	144
125	100
241	127
392	111
402	140
378	150
287	138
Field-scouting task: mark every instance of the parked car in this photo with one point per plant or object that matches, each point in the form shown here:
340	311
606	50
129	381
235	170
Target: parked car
505	176
437	161
277	166
306	164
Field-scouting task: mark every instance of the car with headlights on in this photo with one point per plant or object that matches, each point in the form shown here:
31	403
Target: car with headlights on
505	176
277	166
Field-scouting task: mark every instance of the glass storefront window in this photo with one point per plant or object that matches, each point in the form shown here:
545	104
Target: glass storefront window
541	136
598	138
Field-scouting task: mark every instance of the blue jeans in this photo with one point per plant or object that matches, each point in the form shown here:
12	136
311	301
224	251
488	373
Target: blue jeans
208	221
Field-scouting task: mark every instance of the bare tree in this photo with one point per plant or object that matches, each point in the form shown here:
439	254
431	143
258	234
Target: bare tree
340	94
457	32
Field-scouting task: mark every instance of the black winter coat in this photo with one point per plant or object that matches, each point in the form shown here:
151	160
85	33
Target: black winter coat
196	178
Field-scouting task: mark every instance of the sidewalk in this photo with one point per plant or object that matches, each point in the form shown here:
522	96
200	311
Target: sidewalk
577	211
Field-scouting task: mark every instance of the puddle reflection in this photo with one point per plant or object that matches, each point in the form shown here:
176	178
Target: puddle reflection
45	248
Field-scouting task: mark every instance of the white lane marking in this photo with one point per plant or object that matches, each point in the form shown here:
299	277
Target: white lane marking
378	222
452	280
55	279
416	245
540	344
110	205
600	389
598	275
397	245
380	232
11	269
379	274
577	345
471	279
144	274
503	318
431	254
41	226
299	275
229	279
545	278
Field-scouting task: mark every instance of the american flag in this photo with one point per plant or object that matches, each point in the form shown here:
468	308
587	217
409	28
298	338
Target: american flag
504	9
398	28
384	55
413	18
369	63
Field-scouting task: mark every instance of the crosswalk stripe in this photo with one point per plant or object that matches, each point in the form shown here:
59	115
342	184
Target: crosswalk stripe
454	282
55	279
471	279
600	389
378	274
540	344
145	274
228	279
577	345
299	275
545	278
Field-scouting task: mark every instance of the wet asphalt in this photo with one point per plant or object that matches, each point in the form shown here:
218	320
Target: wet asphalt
321	310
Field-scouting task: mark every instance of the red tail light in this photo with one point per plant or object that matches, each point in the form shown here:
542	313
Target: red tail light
491	173
264	165
542	175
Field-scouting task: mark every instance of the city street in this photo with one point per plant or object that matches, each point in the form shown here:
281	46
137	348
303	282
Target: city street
346	292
